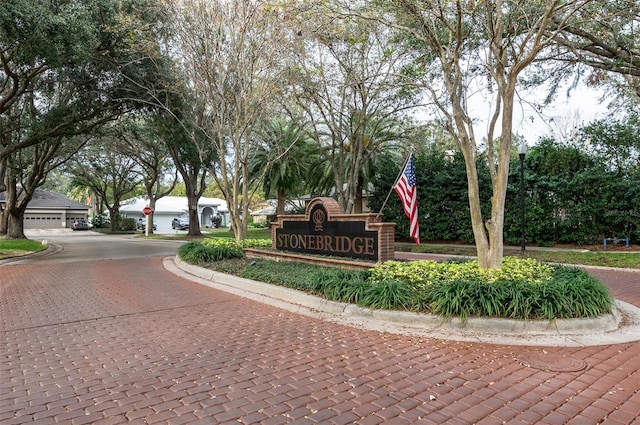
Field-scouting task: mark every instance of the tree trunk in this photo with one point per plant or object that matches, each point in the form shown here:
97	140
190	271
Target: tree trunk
281	202
15	228
239	230
152	205
113	217
495	226
4	219
194	222
479	231
357	206
14	211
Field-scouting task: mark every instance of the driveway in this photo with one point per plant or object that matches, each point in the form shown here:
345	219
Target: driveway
101	333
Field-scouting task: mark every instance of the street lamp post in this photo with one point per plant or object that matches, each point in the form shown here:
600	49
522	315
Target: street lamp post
522	150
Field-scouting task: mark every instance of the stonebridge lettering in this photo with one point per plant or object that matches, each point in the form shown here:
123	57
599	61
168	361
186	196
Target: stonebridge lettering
325	230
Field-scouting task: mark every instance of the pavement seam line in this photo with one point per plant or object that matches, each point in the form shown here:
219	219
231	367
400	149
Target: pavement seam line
115	316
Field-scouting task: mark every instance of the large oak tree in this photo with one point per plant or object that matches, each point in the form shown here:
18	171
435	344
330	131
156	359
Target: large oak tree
66	69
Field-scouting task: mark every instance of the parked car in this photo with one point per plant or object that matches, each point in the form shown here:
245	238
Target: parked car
180	223
80	224
141	224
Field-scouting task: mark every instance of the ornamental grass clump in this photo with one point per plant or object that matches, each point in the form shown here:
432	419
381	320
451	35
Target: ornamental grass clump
329	282
389	295
194	253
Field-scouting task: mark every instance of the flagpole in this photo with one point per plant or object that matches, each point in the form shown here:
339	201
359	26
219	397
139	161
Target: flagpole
393	185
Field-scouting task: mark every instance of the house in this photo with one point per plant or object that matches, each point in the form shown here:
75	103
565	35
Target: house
267	210
332	194
169	207
51	210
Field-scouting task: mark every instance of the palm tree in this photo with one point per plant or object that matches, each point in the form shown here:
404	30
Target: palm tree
379	135
282	161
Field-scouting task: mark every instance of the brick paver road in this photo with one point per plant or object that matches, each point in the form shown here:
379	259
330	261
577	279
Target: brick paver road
124	341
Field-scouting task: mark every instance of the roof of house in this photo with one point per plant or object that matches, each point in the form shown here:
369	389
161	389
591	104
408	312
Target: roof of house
46	199
270	205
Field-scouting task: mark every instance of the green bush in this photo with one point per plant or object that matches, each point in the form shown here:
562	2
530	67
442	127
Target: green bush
256	243
245	243
421	273
205	253
224	248
573	194
100	221
127	224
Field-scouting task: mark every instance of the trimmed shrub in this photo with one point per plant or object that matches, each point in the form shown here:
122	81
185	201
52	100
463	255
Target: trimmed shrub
256	243
224	248
205	253
419	274
127	224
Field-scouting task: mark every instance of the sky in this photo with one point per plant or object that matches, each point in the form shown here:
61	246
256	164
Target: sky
559	119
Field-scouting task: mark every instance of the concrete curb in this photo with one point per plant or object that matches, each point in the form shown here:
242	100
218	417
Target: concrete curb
620	327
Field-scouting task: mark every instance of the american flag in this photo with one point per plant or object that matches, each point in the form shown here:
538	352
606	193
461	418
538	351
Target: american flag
406	189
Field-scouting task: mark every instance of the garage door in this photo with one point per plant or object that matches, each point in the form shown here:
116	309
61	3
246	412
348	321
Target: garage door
43	221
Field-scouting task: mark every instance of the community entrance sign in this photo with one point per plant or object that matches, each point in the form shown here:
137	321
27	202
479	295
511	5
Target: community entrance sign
325	230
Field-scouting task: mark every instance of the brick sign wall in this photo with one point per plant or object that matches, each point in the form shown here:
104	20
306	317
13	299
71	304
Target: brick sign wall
325	230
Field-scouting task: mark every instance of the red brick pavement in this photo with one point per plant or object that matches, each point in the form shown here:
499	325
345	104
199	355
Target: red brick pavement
126	342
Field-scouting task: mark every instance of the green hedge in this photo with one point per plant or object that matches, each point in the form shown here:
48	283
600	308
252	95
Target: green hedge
571	196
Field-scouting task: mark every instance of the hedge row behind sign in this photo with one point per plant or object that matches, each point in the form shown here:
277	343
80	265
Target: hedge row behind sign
325	230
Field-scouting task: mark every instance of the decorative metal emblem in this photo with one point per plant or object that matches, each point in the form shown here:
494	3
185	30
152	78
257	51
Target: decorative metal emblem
318	218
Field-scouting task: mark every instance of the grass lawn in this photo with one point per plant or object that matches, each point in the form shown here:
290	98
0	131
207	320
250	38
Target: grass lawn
13	248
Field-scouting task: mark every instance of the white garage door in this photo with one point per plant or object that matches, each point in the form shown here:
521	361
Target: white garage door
43	221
